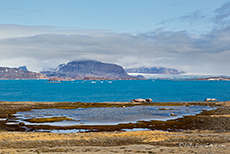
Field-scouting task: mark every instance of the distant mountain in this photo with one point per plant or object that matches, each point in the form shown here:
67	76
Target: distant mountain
80	69
16	73
23	68
48	69
154	70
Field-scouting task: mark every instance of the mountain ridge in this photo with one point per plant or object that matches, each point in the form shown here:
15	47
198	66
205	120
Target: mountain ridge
154	70
84	69
17	73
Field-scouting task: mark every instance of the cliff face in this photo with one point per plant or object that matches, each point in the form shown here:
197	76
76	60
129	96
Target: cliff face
15	73
154	70
88	68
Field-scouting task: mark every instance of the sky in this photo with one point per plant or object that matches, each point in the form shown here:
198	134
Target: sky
193	36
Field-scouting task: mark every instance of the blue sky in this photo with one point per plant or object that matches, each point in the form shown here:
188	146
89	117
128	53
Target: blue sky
115	15
170	33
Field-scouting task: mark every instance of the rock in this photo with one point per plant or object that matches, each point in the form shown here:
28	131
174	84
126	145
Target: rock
224	78
21	124
210	100
54	79
139	100
142	100
149	100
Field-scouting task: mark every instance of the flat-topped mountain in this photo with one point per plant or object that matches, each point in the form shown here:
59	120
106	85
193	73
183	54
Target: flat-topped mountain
17	73
154	70
87	68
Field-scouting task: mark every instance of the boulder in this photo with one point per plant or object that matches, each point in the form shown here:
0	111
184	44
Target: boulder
149	100
210	100
139	100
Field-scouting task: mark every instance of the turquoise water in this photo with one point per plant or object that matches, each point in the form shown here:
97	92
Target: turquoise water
119	90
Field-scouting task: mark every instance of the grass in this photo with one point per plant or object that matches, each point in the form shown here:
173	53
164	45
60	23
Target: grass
52	119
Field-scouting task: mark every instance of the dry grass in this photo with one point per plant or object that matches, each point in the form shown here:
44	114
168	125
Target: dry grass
52	119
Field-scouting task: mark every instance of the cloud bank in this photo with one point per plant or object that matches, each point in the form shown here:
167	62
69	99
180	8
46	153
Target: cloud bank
208	53
40	47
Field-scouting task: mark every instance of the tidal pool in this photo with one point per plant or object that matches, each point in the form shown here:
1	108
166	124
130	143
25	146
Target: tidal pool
110	116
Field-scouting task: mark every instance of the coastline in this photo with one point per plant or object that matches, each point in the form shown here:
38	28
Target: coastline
205	129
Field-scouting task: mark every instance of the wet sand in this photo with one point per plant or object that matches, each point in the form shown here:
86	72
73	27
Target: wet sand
208	132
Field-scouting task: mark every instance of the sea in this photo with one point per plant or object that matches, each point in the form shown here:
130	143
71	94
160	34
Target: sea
113	91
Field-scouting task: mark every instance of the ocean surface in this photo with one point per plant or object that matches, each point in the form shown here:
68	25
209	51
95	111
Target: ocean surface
118	90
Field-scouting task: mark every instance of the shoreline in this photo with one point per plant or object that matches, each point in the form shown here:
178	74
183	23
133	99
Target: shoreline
186	122
205	130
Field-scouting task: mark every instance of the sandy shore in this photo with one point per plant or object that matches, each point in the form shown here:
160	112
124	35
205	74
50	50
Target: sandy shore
208	132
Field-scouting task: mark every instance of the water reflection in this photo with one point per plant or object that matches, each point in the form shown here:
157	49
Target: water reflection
110	116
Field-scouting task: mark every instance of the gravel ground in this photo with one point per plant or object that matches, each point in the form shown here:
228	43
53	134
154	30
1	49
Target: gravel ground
208	132
116	142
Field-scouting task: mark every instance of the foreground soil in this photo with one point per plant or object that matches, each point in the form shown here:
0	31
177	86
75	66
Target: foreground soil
208	132
116	142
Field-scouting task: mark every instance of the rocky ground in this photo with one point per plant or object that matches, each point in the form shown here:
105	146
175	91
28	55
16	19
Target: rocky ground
209	133
116	142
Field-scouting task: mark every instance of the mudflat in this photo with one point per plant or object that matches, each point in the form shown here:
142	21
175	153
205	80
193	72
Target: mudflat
207	132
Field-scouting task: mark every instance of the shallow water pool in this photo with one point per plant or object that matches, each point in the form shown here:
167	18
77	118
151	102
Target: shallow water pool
110	116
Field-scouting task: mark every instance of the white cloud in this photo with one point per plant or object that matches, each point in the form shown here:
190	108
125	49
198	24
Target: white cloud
200	21
39	47
222	15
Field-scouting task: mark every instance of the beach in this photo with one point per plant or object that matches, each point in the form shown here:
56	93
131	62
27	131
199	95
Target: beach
207	132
